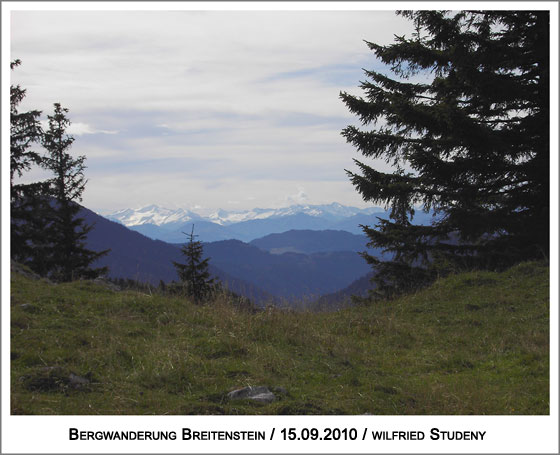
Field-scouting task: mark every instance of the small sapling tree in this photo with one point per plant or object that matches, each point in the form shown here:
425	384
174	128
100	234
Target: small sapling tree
194	274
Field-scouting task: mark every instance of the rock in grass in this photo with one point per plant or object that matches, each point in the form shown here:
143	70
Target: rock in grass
28	307
259	394
54	378
76	381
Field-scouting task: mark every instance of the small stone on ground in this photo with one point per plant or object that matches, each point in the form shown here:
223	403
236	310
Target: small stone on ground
259	394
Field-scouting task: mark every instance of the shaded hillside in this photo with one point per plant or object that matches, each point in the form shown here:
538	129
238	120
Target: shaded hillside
244	230
343	297
471	344
174	233
140	258
308	241
252	229
132	254
245	268
290	274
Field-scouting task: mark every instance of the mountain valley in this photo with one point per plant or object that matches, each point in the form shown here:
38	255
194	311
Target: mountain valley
277	268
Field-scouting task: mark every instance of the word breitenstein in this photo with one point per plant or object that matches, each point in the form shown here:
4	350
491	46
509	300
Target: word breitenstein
187	435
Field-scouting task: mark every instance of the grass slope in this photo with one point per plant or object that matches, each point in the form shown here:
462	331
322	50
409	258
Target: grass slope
475	343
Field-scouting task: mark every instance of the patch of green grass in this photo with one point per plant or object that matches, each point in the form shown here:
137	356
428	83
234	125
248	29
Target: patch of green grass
474	343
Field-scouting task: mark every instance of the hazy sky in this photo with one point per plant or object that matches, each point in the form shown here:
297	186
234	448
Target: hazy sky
203	109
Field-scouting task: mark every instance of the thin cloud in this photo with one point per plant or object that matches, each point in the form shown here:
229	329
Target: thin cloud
168	103
79	129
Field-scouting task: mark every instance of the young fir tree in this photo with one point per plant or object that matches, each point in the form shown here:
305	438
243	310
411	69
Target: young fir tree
66	232
194	274
465	123
27	200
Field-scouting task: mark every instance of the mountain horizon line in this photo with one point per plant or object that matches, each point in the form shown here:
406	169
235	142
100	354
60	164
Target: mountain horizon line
158	215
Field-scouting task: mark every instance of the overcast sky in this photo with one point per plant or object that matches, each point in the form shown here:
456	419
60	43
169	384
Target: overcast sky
204	110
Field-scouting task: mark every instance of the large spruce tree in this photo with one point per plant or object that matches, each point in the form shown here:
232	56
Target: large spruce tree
65	231
194	274
26	199
464	120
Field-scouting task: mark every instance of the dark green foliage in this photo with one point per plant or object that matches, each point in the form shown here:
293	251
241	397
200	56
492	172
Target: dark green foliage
46	233
194	275
66	233
30	212
25	130
465	123
25	200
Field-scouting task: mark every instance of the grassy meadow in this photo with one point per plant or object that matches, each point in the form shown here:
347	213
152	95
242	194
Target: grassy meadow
474	343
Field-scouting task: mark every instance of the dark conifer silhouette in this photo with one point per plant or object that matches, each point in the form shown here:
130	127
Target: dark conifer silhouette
25	130
194	273
465	123
26	200
69	259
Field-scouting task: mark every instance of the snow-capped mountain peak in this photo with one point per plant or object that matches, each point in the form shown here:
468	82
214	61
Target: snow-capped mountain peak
152	214
224	217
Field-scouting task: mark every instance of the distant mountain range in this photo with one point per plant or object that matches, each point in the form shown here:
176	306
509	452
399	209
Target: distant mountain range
169	225
283	267
159	216
140	258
